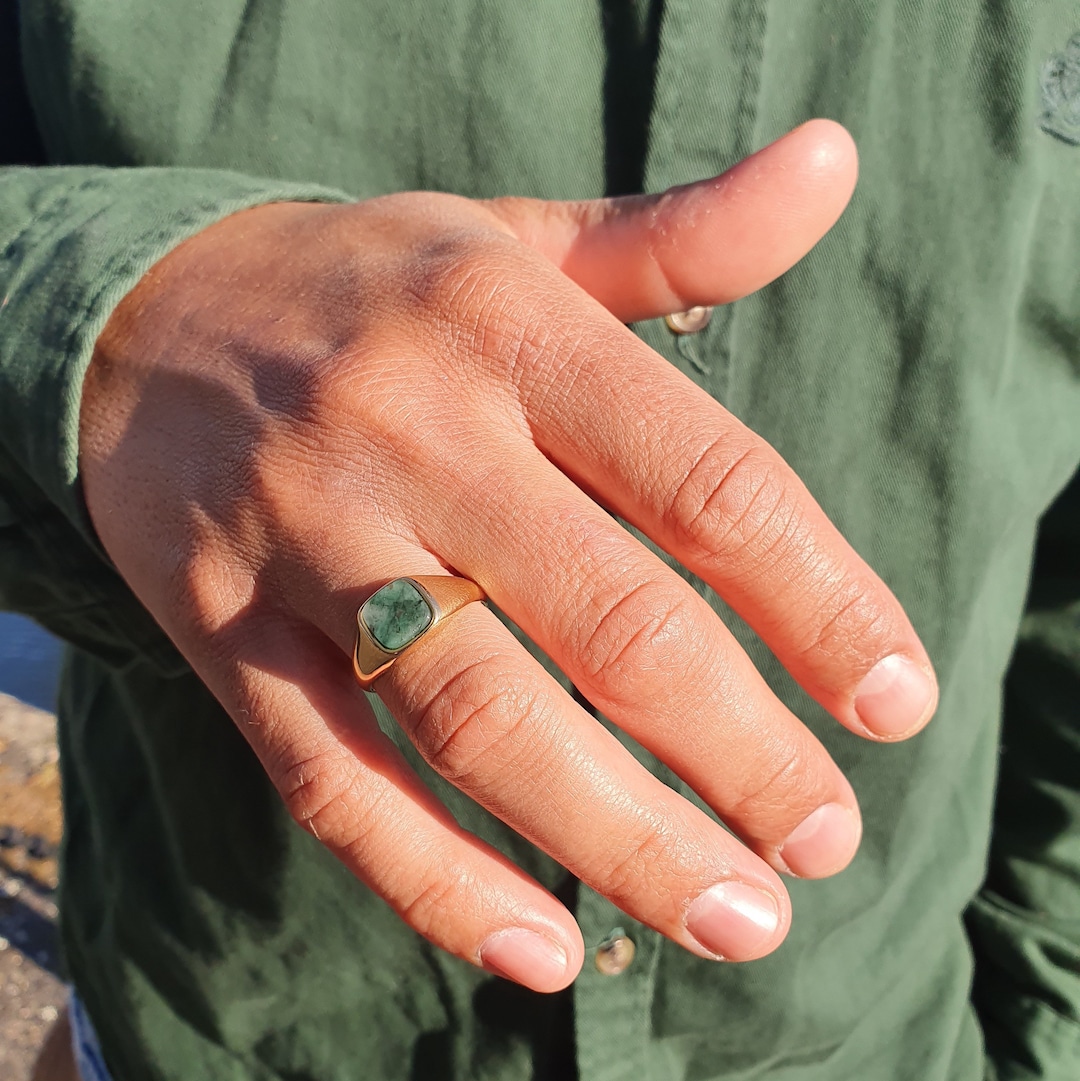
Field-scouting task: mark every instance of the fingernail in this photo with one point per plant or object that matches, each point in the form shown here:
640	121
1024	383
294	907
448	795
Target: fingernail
526	957
823	842
894	697
733	920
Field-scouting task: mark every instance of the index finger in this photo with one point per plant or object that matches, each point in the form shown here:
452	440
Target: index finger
681	468
660	451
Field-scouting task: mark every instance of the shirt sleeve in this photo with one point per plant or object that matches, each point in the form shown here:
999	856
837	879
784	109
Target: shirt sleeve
1025	925
73	243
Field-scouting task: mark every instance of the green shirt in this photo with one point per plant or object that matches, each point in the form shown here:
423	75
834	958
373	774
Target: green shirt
920	370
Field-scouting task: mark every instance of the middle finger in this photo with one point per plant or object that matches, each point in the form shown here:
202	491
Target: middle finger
648	650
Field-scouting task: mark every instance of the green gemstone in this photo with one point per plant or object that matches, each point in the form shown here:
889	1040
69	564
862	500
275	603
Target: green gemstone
396	615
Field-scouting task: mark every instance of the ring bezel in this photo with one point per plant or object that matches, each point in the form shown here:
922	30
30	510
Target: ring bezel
370	658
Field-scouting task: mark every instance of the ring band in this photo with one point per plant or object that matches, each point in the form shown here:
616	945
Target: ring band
400	614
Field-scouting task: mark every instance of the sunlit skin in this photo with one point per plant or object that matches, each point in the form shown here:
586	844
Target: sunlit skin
303	402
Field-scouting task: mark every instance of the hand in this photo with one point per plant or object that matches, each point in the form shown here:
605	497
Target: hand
304	401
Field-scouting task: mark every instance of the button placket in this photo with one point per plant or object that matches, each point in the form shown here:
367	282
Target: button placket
613	996
704	120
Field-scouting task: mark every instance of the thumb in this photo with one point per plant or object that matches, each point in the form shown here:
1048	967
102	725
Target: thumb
709	242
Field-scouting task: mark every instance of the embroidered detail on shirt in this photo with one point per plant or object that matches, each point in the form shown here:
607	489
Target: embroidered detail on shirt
1061	94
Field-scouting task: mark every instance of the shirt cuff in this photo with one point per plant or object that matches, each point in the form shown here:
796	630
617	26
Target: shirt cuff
73	243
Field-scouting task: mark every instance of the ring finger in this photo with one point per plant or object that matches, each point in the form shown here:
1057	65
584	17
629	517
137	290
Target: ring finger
492	721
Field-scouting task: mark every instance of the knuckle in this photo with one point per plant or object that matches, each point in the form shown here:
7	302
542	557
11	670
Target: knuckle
468	729
206	587
850	625
647	860
778	795
438	899
460	279
476	288
322	795
638	640
740	505
444	270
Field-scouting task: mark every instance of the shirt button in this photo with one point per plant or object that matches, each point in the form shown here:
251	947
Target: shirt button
615	955
690	321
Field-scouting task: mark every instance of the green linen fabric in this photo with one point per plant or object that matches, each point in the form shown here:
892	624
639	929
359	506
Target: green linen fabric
920	370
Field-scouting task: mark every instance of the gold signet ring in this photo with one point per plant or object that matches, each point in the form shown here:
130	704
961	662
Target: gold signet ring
400	614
